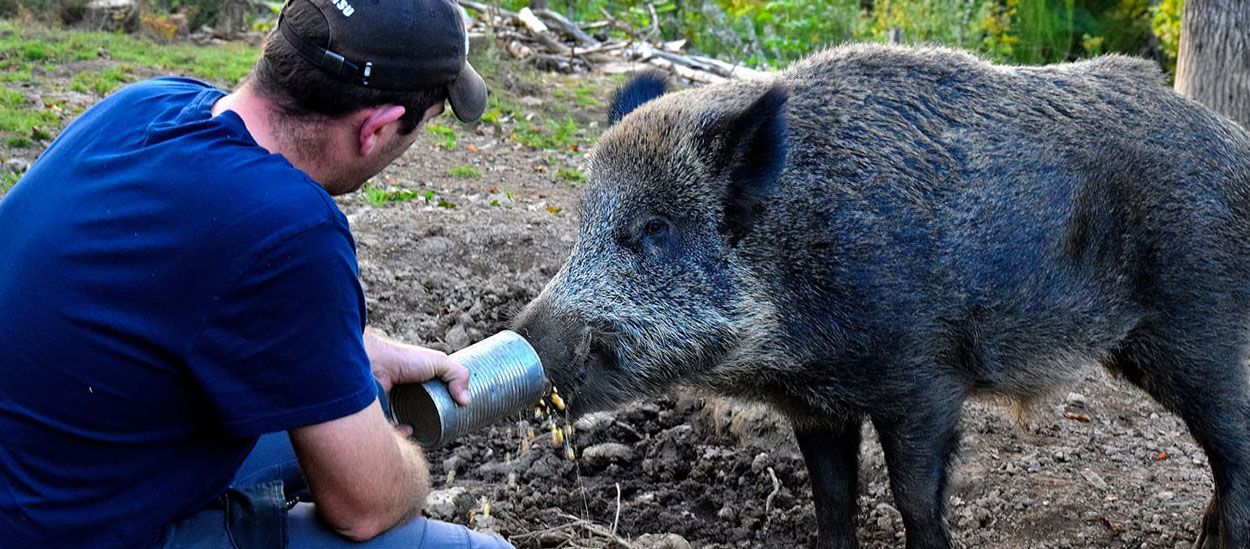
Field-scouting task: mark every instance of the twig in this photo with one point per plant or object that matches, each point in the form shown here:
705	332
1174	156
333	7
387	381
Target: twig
655	22
617	518
768	501
487	9
569	27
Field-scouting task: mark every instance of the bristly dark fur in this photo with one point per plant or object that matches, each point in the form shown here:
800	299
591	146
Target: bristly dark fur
641	88
880	233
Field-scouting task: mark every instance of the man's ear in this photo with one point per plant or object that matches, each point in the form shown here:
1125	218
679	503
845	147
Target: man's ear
373	126
749	146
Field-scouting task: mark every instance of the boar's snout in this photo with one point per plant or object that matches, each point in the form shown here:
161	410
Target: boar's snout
567	347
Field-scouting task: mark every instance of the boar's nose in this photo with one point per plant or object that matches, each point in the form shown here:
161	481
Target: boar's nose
559	339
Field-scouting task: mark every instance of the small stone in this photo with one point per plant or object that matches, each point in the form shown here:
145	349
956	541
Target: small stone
761	462
1076	400
594	422
441	504
726	513
600	455
661	541
453	463
1094	479
16	165
1165	495
457	337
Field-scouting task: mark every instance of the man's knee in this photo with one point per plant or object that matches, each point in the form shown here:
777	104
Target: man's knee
305	530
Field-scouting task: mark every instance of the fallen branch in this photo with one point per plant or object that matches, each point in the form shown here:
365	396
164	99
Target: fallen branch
568	27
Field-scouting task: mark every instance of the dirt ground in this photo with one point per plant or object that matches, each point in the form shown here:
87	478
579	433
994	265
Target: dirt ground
1101	467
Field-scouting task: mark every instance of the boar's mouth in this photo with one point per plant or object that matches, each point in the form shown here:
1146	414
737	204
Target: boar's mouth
595	368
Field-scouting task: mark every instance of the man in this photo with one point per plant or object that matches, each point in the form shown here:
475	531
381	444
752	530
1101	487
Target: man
176	282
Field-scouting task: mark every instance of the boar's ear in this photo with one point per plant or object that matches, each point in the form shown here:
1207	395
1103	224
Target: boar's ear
643	87
750	147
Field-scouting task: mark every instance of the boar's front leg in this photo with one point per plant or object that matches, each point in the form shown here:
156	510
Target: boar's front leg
919	443
831	452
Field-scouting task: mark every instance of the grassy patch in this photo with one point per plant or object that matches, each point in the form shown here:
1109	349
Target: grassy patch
571	175
99	63
104	81
224	64
380	196
581	95
7	181
542	134
447	133
21	122
465	171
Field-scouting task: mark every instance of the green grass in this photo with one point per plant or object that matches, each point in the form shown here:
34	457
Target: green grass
95	63
541	134
22	122
581	95
571	175
379	196
7	181
465	171
103	81
446	132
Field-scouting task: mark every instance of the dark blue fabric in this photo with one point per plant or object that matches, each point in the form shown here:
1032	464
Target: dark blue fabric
169	291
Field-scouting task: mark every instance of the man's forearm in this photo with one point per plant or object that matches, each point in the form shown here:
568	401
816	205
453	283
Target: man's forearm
416	479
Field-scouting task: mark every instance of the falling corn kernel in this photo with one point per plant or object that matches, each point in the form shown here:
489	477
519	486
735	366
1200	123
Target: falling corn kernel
486	508
559	402
538	413
568	430
555	434
529	435
569	453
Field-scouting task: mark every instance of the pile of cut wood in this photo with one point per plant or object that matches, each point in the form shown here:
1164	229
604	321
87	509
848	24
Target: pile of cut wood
552	42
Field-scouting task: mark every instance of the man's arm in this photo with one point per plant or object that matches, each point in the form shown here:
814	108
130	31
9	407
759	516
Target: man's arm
364	476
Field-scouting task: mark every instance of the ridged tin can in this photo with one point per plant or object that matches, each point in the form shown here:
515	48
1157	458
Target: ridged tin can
507	378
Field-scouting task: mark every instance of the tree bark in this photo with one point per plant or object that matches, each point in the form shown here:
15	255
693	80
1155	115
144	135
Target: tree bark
1213	66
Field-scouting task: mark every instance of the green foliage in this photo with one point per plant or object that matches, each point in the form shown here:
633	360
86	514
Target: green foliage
7	181
776	32
447	133
99	62
581	95
466	171
571	175
1165	21
103	81
379	196
542	134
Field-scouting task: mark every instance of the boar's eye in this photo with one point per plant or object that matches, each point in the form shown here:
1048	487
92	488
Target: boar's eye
655	227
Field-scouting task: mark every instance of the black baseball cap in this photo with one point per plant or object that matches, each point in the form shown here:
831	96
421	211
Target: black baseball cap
394	45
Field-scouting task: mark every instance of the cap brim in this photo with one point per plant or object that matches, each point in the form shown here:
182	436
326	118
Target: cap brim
467	94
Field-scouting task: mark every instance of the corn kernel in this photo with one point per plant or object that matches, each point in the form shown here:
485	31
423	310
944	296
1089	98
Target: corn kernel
559	402
569	453
568	430
485	508
555	435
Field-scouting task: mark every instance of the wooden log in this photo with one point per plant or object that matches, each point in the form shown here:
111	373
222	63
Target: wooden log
531	21
568	27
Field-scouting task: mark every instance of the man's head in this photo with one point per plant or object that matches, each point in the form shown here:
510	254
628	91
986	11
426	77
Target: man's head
352	79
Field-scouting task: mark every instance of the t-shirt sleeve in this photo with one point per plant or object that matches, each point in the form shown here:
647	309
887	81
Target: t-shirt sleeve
283	347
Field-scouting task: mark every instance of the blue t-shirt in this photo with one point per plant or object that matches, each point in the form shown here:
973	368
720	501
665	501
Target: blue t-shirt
169	291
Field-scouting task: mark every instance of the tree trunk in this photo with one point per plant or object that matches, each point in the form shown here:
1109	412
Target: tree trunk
1213	65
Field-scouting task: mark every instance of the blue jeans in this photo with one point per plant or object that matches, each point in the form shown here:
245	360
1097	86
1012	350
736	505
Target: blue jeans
262	510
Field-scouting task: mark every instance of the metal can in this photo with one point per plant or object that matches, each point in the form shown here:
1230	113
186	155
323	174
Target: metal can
507	378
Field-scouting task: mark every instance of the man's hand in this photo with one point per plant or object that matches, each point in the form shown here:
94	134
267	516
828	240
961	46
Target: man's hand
396	363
